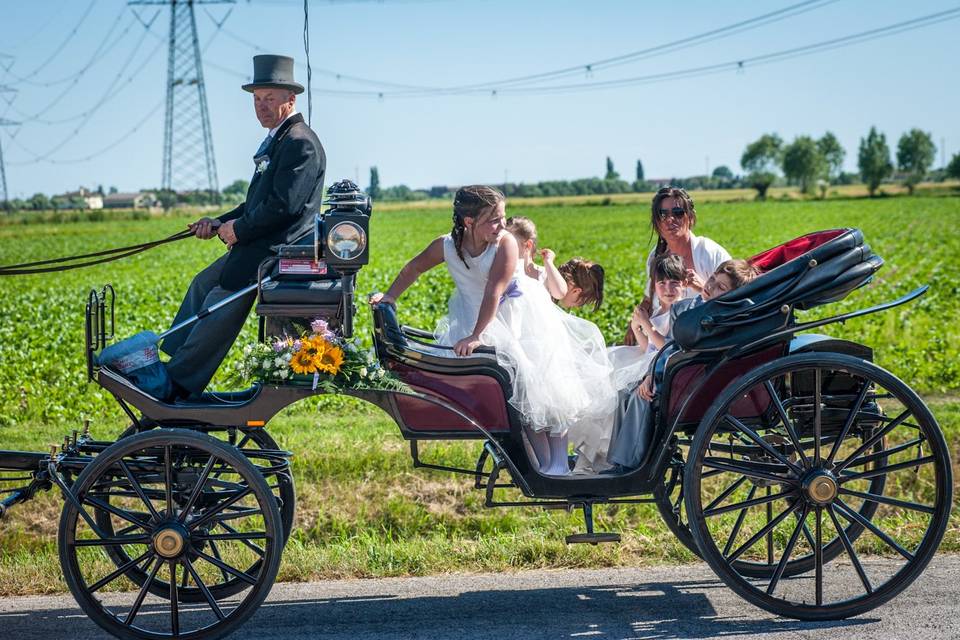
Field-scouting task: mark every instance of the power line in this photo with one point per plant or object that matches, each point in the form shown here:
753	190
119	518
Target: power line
66	41
108	94
657	50
94	154
98	54
735	65
588	67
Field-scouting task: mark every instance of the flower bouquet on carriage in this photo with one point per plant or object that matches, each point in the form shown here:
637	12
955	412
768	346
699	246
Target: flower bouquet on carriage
321	359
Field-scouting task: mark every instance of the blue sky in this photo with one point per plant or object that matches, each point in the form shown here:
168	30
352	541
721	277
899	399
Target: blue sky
677	127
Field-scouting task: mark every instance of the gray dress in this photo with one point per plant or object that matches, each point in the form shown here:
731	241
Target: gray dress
633	426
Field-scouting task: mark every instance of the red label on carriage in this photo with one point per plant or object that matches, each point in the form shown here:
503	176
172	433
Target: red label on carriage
302	265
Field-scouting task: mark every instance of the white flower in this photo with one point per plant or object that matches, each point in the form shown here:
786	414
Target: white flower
280	362
266	363
380	373
247	350
283	374
262	166
363	372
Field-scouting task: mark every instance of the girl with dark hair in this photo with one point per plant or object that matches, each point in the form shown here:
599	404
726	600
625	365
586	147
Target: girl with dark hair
560	372
673	217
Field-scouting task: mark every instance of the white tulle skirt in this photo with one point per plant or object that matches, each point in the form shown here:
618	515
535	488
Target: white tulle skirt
563	380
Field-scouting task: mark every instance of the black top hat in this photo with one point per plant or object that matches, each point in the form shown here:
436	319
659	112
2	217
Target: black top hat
273	72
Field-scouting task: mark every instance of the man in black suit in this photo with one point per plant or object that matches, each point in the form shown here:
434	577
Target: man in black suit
284	195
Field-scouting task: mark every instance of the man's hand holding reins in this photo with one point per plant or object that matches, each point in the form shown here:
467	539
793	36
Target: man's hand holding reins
204	228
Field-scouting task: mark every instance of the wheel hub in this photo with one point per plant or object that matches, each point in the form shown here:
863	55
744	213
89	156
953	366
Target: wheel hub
821	487
170	541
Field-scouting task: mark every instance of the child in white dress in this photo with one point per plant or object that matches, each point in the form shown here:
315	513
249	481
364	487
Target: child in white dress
560	373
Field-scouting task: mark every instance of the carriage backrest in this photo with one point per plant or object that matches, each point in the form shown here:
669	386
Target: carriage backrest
691	382
803	273
476	385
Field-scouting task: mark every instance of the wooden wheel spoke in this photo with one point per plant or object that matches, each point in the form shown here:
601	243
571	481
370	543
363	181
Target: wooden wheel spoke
174	605
143	594
880	471
851	553
138	489
770	526
851	418
745	468
236	535
763	444
746	504
216	554
120	513
256	549
112	542
778	572
787	422
168	482
208	515
872	440
223	566
99	584
817	414
205	591
886	453
872	497
197	489
818	554
852	516
723	496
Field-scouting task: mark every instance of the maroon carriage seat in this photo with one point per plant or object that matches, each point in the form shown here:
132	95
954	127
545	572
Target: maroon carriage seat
475	385
802	273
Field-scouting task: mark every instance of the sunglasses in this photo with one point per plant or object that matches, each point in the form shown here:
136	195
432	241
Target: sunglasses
676	212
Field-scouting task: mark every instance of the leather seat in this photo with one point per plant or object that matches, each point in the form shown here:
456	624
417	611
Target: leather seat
301	292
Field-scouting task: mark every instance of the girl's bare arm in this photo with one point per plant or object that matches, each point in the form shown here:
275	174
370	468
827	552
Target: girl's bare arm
421	263
501	272
555	282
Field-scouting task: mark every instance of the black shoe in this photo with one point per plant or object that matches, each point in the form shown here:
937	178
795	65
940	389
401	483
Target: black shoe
616	470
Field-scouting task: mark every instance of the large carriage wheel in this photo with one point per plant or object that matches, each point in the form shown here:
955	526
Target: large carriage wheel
166	490
755	496
280	482
668	497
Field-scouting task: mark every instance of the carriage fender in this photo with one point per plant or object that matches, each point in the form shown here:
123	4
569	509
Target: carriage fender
816	342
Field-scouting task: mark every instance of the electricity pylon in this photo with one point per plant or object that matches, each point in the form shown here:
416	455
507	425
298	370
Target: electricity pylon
188	160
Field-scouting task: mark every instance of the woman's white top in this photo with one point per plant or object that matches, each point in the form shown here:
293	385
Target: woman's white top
707	256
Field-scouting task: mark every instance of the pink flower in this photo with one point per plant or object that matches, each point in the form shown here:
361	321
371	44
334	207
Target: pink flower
319	325
279	345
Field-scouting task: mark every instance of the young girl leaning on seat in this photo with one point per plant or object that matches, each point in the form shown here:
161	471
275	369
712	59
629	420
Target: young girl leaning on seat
559	371
575	283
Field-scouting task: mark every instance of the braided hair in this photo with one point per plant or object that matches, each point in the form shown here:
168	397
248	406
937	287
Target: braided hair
471	202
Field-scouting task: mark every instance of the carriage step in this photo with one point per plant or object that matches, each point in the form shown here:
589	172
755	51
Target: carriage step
592	538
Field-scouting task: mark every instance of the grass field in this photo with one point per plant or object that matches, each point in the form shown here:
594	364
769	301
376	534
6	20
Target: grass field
363	511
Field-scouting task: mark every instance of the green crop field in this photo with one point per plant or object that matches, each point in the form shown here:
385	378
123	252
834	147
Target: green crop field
363	511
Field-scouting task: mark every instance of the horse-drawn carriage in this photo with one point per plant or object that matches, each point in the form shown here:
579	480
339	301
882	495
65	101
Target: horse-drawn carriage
816	484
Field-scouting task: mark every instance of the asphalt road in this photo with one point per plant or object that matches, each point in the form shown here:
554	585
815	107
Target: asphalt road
660	602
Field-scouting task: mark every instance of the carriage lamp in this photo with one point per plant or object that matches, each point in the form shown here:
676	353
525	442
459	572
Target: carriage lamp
342	233
346	241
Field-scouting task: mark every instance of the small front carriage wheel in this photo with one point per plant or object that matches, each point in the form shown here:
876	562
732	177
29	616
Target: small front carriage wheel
166	491
811	454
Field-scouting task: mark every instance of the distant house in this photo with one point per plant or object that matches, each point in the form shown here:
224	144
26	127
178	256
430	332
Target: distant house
81	199
142	200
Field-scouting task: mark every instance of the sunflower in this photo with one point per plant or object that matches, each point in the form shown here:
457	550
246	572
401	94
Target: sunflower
303	362
330	360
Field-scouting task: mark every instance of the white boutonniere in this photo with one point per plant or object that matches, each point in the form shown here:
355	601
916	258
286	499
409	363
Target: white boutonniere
262	165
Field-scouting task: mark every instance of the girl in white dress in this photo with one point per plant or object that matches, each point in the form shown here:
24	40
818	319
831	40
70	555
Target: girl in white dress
560	372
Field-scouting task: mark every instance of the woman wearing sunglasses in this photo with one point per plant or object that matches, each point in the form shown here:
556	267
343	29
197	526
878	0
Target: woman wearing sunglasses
673	217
